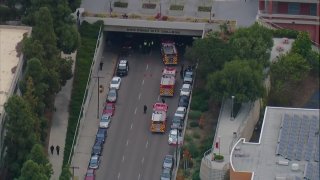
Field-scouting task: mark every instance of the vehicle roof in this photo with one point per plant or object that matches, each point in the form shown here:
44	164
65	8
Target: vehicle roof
169	71
123	61
116	78
186	86
158	116
90	170
112	90
94	157
169	48
160	107
181	108
174	131
109	103
167	80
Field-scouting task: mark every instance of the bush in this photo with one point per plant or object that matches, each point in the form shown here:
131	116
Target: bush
288	33
177	7
148	6
204	8
206	144
196	135
120	4
194	124
200	100
89	34
194	114
196	175
193	149
187	138
218	157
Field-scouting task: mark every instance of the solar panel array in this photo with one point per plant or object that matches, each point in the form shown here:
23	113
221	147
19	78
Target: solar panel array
311	171
299	138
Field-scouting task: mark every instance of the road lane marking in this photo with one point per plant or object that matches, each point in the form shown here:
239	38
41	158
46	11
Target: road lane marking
122	158
142	161
119	175
135	111
139	96
147	144
158	97
131	126
127	142
139	176
147	67
142	81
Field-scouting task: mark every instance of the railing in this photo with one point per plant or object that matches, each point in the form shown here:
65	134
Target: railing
85	96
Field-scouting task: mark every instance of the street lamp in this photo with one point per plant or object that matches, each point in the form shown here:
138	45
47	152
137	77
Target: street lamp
110	7
232	97
100	89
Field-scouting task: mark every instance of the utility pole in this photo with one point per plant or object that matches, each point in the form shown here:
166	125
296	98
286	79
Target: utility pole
100	89
232	118
73	167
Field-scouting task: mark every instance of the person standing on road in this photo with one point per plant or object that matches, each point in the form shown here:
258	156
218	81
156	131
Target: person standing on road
58	149
145	109
163	101
51	149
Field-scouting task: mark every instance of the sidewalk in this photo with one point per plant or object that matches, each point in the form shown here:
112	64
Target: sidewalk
59	125
89	124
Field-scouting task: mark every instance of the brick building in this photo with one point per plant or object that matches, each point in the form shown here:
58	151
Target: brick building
302	15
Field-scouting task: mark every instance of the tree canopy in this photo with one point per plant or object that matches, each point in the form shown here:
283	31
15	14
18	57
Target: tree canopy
240	78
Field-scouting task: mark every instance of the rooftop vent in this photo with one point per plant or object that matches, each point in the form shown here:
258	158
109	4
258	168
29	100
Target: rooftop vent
295	167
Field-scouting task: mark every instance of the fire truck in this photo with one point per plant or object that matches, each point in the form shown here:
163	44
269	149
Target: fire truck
168	81
159	117
169	53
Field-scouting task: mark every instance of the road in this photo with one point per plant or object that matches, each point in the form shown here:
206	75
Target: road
131	151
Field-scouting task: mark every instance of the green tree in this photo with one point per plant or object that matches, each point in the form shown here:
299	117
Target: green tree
65	174
38	155
20	136
31	170
65	70
302	45
69	38
240	78
32	48
211	52
254	42
44	32
290	68
74	4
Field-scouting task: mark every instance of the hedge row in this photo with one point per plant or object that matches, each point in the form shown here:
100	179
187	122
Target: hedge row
288	33
89	34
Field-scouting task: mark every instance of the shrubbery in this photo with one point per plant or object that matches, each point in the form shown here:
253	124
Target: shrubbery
288	33
177	7
194	124
89	34
149	6
120	4
204	8
194	114
200	100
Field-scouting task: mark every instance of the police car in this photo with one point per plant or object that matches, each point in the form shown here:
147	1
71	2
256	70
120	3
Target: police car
123	68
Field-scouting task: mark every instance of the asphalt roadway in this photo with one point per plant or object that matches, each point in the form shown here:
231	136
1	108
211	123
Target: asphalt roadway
131	151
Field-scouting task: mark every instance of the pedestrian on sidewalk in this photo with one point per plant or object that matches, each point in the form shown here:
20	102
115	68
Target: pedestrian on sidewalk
163	101
52	149
58	149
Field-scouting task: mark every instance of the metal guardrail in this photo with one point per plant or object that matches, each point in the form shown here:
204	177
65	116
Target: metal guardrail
85	96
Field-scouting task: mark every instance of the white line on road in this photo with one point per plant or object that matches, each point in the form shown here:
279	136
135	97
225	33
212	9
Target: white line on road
119	175
127	142
158	97
122	158
135	111
147	67
139	96
142	161
131	126
139	176
147	144
142	81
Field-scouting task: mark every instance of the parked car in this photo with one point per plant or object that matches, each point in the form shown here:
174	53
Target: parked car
181	112
188	77
175	137
109	109
105	121
97	148
185	90
168	162
115	83
90	175
112	95
165	174
101	134
183	101
94	162
177	123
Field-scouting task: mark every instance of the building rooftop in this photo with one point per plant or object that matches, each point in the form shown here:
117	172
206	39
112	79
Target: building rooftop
288	147
10	60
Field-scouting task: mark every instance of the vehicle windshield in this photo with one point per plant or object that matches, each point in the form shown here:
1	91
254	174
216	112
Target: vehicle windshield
89	174
179	112
109	107
105	119
168	160
114	81
176	120
112	93
165	174
185	89
122	67
94	161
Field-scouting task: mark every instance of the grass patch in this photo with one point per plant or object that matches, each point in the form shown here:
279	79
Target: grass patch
119	4
176	7
149	6
194	115
193	124
85	54
204	9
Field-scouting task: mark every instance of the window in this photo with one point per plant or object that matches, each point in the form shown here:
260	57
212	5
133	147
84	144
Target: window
313	9
293	8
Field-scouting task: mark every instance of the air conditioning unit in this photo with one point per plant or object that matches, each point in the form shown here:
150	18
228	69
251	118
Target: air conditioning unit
283	162
295	167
